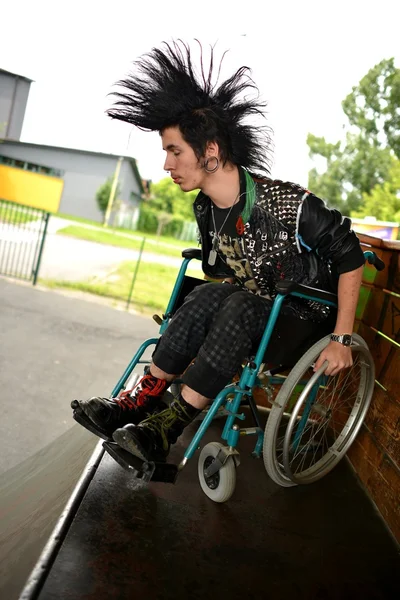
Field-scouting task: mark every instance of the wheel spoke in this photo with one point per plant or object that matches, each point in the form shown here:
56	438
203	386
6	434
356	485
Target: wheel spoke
304	444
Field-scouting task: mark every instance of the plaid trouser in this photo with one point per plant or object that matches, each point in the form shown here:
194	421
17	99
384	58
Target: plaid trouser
218	325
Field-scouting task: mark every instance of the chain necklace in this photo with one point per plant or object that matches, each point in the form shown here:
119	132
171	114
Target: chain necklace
212	257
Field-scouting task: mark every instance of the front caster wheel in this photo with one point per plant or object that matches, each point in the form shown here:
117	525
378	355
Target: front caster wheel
220	486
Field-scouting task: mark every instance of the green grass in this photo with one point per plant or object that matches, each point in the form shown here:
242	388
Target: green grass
17	218
13	213
152	290
167	240
154	282
111	238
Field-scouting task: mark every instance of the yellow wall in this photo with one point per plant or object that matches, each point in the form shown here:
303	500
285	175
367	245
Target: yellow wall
32	189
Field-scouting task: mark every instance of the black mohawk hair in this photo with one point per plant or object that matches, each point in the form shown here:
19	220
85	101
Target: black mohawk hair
164	90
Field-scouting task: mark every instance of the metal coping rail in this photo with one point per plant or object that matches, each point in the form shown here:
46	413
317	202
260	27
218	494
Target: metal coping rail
40	572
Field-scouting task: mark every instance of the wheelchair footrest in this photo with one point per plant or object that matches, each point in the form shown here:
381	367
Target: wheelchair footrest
146	471
83	420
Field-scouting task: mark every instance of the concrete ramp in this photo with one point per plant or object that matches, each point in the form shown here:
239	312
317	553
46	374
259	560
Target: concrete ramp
126	540
32	497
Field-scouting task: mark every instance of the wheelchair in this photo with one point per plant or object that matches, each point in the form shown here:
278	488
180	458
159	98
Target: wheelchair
312	419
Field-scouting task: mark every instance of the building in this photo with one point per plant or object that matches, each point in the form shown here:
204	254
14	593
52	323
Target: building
14	92
58	179
64	179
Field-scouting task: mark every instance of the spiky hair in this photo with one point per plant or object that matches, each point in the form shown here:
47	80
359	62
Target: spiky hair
164	90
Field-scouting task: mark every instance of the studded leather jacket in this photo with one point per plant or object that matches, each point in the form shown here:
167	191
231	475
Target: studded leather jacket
286	233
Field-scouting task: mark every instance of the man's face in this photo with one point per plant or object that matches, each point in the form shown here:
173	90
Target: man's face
181	160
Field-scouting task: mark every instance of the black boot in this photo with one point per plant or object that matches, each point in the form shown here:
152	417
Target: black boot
152	438
102	416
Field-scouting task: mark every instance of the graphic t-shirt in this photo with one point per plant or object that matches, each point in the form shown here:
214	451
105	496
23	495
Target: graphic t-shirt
231	245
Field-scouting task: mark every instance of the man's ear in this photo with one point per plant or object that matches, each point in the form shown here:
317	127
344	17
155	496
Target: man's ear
212	149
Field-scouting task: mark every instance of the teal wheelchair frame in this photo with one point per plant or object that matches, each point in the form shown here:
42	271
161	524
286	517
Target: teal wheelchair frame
230	399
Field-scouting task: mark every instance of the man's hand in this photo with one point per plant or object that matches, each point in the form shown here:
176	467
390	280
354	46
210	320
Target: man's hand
338	356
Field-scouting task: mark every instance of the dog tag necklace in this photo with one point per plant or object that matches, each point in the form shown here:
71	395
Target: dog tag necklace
212	257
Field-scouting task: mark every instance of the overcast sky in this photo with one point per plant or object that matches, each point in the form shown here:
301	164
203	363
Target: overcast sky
305	55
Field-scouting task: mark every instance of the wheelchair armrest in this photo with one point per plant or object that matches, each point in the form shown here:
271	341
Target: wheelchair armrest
373	259
286	287
192	253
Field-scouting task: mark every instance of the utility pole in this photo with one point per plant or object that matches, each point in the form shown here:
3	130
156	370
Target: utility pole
112	191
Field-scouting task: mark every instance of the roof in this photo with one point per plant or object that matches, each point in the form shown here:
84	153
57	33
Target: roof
129	159
16	75
79	150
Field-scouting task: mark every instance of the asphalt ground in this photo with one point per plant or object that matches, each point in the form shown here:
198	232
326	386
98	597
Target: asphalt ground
53	348
70	259
66	258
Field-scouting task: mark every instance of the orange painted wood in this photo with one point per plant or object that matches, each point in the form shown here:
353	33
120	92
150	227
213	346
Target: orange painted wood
375	454
382	312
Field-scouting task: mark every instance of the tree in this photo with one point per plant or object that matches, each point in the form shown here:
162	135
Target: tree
363	160
328	184
103	195
373	106
383	202
169	198
163	218
169	202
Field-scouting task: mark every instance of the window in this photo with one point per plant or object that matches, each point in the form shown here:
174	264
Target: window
27	166
6	161
135	198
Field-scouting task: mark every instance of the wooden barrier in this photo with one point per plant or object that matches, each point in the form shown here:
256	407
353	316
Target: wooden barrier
375	455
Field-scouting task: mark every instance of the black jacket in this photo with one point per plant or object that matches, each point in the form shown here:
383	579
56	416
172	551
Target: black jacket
288	233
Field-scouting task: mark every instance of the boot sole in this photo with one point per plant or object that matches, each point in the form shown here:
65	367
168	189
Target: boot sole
83	420
127	442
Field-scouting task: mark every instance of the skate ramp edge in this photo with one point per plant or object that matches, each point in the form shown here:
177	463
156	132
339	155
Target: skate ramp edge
33	496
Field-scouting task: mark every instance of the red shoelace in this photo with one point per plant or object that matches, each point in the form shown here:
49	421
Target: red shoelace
149	386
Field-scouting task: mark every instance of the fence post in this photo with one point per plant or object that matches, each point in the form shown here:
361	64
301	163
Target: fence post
135	273
36	271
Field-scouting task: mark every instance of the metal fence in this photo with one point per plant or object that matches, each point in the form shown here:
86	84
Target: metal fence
22	235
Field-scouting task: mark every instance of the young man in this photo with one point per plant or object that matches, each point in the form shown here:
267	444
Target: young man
254	232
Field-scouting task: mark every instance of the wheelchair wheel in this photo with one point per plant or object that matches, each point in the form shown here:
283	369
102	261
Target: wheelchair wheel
315	419
220	486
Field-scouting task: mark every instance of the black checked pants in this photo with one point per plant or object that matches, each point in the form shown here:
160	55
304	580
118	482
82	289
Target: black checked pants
218	325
